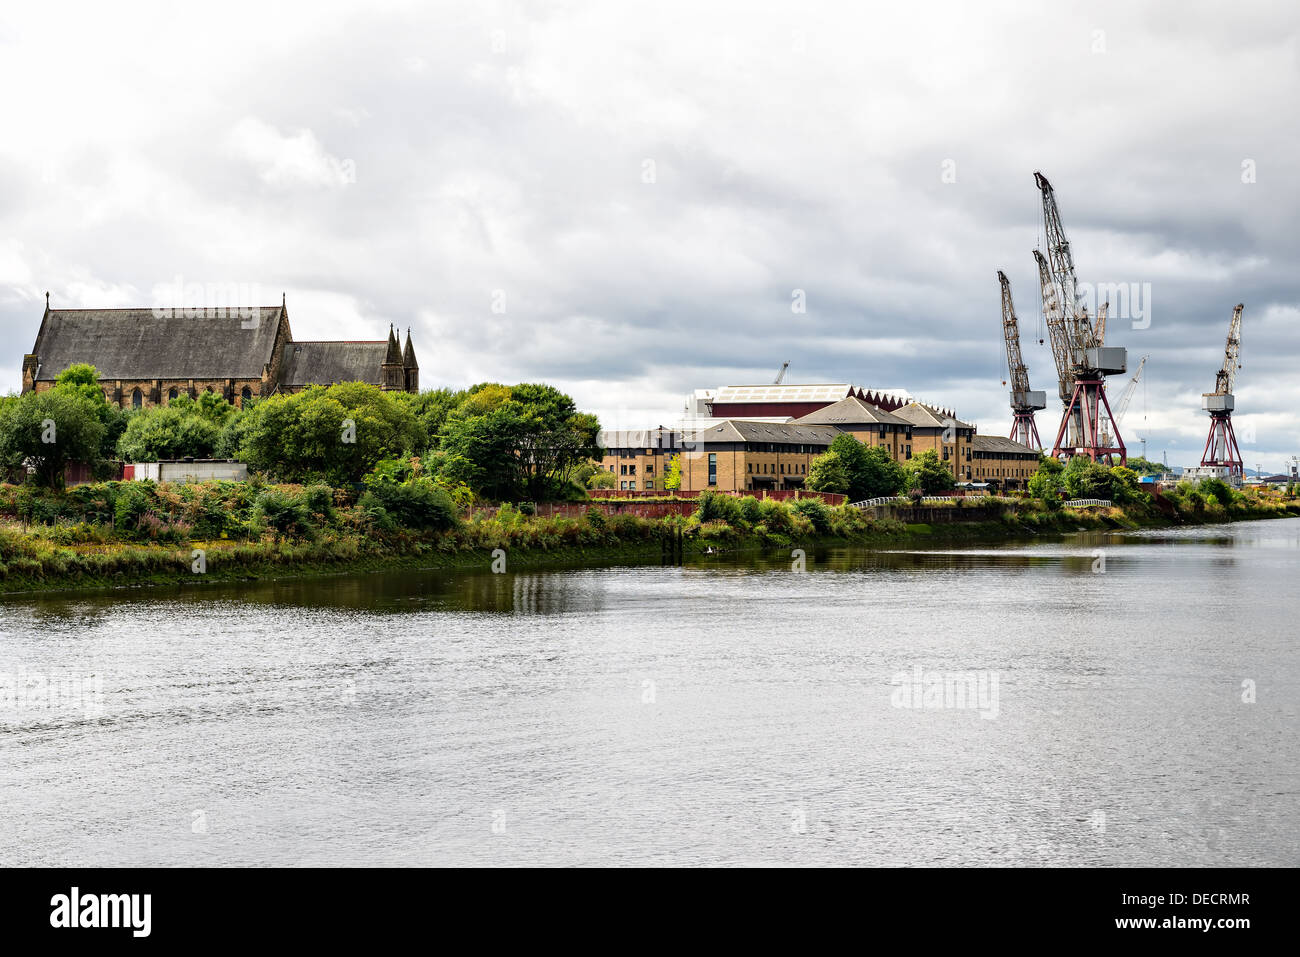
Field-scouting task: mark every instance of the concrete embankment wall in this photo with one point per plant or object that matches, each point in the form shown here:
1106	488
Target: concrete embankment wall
936	514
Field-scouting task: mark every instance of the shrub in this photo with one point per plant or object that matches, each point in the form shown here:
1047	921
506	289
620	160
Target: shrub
714	506
749	510
285	513
815	510
418	504
131	504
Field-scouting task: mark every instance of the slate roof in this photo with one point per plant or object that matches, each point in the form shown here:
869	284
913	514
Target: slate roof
928	417
1000	445
851	411
324	363
137	344
742	430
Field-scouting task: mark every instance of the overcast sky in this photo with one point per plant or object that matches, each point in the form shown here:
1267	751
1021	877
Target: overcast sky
642	188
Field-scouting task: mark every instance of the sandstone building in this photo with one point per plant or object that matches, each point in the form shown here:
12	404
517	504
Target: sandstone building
148	357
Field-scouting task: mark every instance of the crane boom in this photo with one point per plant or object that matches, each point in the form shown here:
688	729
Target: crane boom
1081	333
781	375
1101	323
1129	389
1011	332
1057	335
1227	376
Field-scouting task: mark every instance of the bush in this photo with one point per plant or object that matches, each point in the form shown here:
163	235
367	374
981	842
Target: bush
716	507
418	504
815	510
285	513
131	504
750	511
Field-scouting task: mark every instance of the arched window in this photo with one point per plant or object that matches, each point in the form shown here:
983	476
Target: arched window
245	394
171	393
208	389
137	399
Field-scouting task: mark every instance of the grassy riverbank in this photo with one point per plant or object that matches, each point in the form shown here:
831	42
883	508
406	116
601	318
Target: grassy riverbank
125	534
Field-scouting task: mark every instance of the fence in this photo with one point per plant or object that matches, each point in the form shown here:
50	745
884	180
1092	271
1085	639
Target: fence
1089	503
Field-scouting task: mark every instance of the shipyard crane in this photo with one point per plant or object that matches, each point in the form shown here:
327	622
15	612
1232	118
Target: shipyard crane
1023	401
1129	389
1101	323
781	375
1221	445
1057	337
1127	396
1087	423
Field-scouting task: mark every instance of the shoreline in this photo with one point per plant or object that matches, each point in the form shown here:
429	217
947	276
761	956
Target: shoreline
156	566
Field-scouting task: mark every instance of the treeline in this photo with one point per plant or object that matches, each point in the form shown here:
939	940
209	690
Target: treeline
491	441
869	471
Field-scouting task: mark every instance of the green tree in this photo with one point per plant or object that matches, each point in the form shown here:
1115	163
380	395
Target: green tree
168	432
933	475
82	379
673	480
871	470
1145	467
1085	478
336	433
1125	488
602	478
431	409
48	430
524	441
826	473
1047	483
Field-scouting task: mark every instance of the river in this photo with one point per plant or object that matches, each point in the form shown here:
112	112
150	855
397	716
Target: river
1096	698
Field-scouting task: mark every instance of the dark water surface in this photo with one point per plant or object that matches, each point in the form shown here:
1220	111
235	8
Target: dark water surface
731	711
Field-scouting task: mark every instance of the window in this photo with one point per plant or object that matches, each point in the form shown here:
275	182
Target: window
650	469
631	470
749	467
713	468
171	393
909	451
137	399
622	470
649	483
245	394
945	453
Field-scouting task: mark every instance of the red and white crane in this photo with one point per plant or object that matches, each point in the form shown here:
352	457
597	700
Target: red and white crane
1221	446
1087	424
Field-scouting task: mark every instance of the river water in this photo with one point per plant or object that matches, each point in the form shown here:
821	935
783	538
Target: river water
1110	699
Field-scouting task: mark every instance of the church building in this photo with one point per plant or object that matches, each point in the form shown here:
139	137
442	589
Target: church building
148	357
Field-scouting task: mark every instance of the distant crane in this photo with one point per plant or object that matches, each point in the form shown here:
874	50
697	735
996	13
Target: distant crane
1127	396
1023	402
1221	445
1087	424
781	375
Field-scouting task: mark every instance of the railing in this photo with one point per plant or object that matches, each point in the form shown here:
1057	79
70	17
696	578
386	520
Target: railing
931	500
1090	503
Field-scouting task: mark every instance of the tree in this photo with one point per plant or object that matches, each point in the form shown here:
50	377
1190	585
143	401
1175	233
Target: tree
826	473
1047	483
1085	478
871	470
508	443
336	433
673	480
600	478
168	432
48	430
1145	467
431	410
1125	488
82	379
933	475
